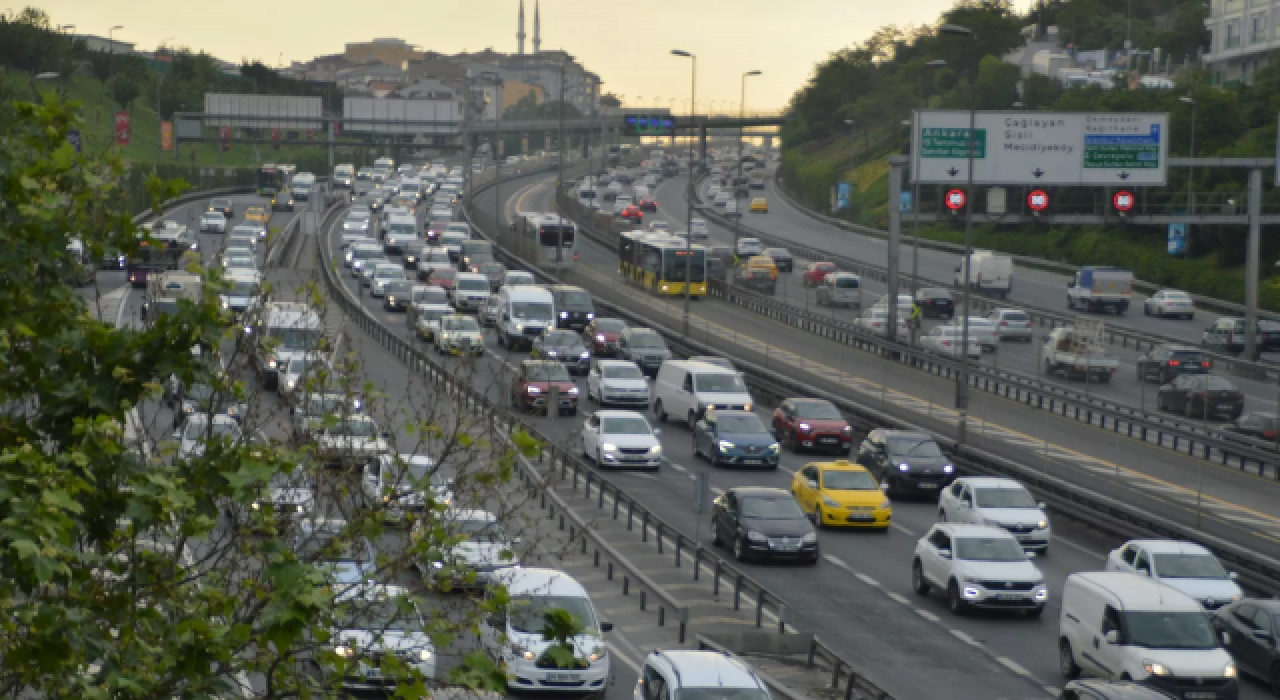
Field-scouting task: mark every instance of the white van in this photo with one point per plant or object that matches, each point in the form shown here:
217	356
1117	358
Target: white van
401	228
688	389
840	289
515	636
1123	626
526	313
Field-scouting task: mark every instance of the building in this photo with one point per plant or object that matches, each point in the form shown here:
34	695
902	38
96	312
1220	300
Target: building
581	87
393	52
516	90
104	44
1243	36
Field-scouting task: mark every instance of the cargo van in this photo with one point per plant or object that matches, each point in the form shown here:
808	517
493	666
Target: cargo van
990	273
574	308
303	184
1100	289
344	176
1121	626
525	312
686	389
840	289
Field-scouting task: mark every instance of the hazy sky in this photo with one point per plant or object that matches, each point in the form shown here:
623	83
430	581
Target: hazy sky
626	43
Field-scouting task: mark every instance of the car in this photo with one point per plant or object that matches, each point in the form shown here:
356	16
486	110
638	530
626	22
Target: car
948	340
344	556
282	200
763	523
434	257
494	272
397	294
935	302
632	213
1010	324
1256	425
1201	396
906	462
224	205
877	321
364	174
643	346
534	380
360	254
1184	566
982	330
1166	361
1098	689
354	439
519	278
812	424
735	438
213	222
698	230
199	428
841	494
371	621
1169	303
290	496
1252	626
355	231
759	205
403	487
617	382
815	272
1228	335
313	408
459	335
384	273
782	258
257	215
470	291
732	210
442	277
482	547
748	246
647	205
245	234
565	347
1000	502
722	198
620	439
758	279
978	566
297	372
684	673
412	251
601	335
204	399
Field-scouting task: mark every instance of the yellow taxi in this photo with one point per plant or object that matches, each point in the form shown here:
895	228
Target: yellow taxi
841	494
760	204
762	262
256	215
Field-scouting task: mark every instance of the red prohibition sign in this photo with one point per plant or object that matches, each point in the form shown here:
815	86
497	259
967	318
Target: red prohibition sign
1038	200
1123	200
955	200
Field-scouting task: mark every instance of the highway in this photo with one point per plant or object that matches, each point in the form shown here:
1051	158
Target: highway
865	577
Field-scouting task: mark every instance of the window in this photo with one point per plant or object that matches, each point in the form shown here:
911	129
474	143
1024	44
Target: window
1262	620
1110	620
1142	563
1128	555
687	386
940	540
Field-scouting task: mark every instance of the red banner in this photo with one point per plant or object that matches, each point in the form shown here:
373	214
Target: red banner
122	128
224	133
275	138
166	136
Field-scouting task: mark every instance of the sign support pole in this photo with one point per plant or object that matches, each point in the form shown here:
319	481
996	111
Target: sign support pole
962	380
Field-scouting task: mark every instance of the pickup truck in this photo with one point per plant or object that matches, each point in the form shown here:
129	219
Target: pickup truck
1078	353
1100	289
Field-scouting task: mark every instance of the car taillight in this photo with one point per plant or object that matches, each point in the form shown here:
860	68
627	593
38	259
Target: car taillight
1175	363
1269	434
946	343
1204	364
1004	323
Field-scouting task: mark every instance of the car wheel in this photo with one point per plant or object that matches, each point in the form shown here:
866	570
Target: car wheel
1159	312
942	516
1067	661
739	550
693	418
658	412
954	602
1146	310
918	582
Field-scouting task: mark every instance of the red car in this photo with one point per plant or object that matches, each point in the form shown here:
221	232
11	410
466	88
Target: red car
812	424
533	383
601	336
647	205
633	214
815	272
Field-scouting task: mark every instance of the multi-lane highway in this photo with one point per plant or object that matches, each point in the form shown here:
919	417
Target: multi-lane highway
865	578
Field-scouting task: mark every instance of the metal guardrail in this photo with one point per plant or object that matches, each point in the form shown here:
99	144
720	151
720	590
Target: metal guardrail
856	685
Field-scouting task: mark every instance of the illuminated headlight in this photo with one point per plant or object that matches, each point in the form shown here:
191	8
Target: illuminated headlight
272	363
600	338
292	383
805	427
774	447
746	406
585	355
195	246
225	304
947	469
971	592
596	655
848	429
424	655
609	447
255	505
355	403
519	327
590	315
756	536
903	467
564	314
573	391
188	408
410	258
344	651
1156	668
655	450
391	241
724	445
391	299
232	410
534	390
437	565
1229	671
1042	524
830	502
551	353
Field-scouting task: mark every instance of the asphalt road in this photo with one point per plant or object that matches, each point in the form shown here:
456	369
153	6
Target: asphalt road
858	600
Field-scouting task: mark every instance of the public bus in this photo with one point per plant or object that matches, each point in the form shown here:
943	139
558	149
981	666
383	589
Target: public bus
148	260
554	239
271	179
658	263
630	251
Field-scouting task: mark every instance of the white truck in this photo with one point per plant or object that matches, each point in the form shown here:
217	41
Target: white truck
286	330
1077	352
989	273
1100	289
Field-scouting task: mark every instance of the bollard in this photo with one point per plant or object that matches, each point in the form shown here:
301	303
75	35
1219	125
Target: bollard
553	402
715	583
737	592
584	543
626	584
616	502
600	504
813	652
684	623
597	561
643	598
662	615
782	618
848	689
679	539
586	491
760	608
657	533
610	574
644	527
631	510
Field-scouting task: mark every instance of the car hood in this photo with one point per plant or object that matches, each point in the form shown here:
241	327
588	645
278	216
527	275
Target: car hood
478	553
577	349
1219	589
825	426
628	440
364	641
624	383
1020	570
926	465
872	498
725	397
751	439
534	642
1200	663
1013	516
292	496
772	527
360	445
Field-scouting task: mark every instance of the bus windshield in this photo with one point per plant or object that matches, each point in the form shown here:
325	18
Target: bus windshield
673	267
551	235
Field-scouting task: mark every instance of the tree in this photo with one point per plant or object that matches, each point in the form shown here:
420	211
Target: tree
997	85
610	100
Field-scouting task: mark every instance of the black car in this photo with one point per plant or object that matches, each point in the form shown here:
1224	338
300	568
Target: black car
1201	396
397	295
906	461
1167	361
935	303
1253	628
412	251
644	347
763	523
574	308
565	347
782	258
1259	426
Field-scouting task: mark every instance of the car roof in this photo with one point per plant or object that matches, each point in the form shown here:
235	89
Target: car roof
470	514
992	482
758	491
905	434
539	581
839	465
968	530
1170	547
707	669
618	413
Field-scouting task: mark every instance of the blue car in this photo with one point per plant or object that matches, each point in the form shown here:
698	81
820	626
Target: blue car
735	438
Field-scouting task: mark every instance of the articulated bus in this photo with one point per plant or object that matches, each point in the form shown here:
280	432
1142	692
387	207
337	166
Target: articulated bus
149	260
554	239
658	263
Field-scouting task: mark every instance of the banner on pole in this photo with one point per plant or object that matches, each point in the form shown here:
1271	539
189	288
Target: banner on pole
166	136
122	128
1177	239
843	190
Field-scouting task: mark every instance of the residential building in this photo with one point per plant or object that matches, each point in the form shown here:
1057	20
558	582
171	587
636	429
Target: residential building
105	44
394	52
1242	38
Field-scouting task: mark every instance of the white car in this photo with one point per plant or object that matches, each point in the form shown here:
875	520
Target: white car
359	253
978	566
196	432
427	318
663	226
239	262
373	620
748	246
356	437
1169	302
295	372
383	274
252	232
877	321
355	230
701	233
483	547
491	310
213	222
370	267
470	292
459	334
236	251
618	382
723	198
621	439
1185	566
1011	324
948	341
288	495
402	484
981	330
999	502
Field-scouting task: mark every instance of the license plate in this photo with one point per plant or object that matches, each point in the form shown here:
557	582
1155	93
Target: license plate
1008	596
829	440
1225	407
787	547
753	461
862	518
563	677
1200	696
926	485
1022	536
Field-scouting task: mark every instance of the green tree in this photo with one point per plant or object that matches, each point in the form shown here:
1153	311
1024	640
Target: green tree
610	100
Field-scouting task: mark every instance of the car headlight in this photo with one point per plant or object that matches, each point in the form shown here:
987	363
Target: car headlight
805	427
343	651
1042	524
292	383
255	505
1229	671
585	355
596	654
655	450
424	655
904	467
809	537
225	304
886	505
534	390
830	502
775	447
756	536
745	407
600	338
391	299
848	429
947	469
1156	668
609	447
551	353
272	363
519	327
724	445
573	391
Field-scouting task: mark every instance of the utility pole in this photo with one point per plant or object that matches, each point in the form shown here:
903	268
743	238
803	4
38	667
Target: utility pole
742	113
688	238
560	172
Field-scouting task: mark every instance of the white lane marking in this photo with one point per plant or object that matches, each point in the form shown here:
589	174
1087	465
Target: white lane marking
867	580
613	648
677	467
124	302
964	637
902	529
927	615
898	598
1013	666
835	561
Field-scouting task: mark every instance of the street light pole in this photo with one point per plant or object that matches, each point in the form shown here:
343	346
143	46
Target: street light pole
111	47
688	237
1191	171
915	192
560	173
962	380
742	113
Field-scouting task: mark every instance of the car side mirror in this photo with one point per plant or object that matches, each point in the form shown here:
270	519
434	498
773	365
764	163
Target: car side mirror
944	553
957	268
812	484
606	626
1144	570
1112	637
386	435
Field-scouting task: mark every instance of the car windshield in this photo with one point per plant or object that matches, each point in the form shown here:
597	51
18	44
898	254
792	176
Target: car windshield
647	340
817	410
745	423
771	508
461	323
989	549
480	529
355	428
721	693
720	383
574	300
473	285
1177	565
621	372
848	481
1169	630
847	282
531	310
914	447
197	429
399	288
1177	296
547	372
384	272
624	425
377	614
1004	498
430	295
240	262
559	338
527	613
242	288
519	280
296	338
445	273
323	405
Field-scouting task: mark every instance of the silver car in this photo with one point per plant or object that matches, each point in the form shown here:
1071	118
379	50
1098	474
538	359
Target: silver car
195	433
375	620
404	484
483	547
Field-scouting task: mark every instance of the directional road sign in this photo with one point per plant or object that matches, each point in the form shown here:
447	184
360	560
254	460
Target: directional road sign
1041	148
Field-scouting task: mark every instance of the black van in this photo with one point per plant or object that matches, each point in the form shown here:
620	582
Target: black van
574	308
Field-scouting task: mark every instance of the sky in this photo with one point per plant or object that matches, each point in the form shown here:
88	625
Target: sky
627	44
